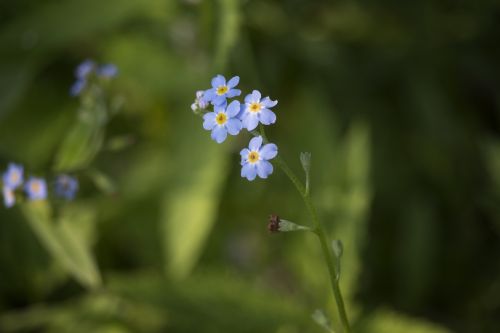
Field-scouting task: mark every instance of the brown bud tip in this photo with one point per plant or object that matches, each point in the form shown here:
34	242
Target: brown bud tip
274	223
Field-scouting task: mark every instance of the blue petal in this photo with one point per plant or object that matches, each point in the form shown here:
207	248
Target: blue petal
219	109
242	111
248	98
77	87
244	155
249	171
269	151
107	71
219	100
9	198
233	93
209	121
264	168
267	117
256	96
233	126
250	121
83	69
255	143
219	80
266	101
219	134
233	109
233	82
209	95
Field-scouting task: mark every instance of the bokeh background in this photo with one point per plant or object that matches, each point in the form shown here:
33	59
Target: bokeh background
398	102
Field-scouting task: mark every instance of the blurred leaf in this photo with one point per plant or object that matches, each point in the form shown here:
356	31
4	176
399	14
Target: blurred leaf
65	241
40	30
102	181
387	321
191	207
228	31
80	146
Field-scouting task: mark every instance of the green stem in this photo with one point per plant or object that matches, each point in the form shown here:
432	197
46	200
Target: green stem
320	231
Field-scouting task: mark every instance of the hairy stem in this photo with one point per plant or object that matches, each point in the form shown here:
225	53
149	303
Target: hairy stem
320	231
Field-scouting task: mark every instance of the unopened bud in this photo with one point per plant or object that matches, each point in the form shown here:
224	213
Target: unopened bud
276	224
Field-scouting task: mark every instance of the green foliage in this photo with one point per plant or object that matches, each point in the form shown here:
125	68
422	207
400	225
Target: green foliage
396	102
67	239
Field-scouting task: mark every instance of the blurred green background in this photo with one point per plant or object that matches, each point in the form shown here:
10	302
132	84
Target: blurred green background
399	103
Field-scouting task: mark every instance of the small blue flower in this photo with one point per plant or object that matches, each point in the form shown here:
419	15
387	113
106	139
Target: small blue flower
77	87
256	110
13	177
9	198
254	160
84	69
66	187
221	90
107	71
223	121
36	188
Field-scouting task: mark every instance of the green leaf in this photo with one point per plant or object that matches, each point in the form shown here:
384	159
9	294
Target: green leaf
81	145
190	204
65	240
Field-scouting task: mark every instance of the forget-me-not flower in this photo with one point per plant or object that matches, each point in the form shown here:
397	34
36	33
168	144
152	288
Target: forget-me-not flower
66	187
84	69
221	90
107	71
254	159
256	110
9	199
222	121
13	177
36	188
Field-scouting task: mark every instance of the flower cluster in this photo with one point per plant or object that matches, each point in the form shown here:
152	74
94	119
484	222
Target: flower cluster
35	188
232	117
89	69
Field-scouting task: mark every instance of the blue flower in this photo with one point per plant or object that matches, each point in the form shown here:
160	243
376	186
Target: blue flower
84	69
254	160
9	198
223	121
107	71
36	188
221	90
77	87
13	177
66	187
256	110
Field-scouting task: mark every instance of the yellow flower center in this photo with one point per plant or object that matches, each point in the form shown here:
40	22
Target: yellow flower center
35	187
221	90
15	176
253	157
255	107
221	118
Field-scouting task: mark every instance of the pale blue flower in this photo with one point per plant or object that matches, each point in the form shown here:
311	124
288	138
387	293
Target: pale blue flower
223	121
221	90
66	187
13	177
9	199
77	87
107	71
254	159
84	69
256	110
36	188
